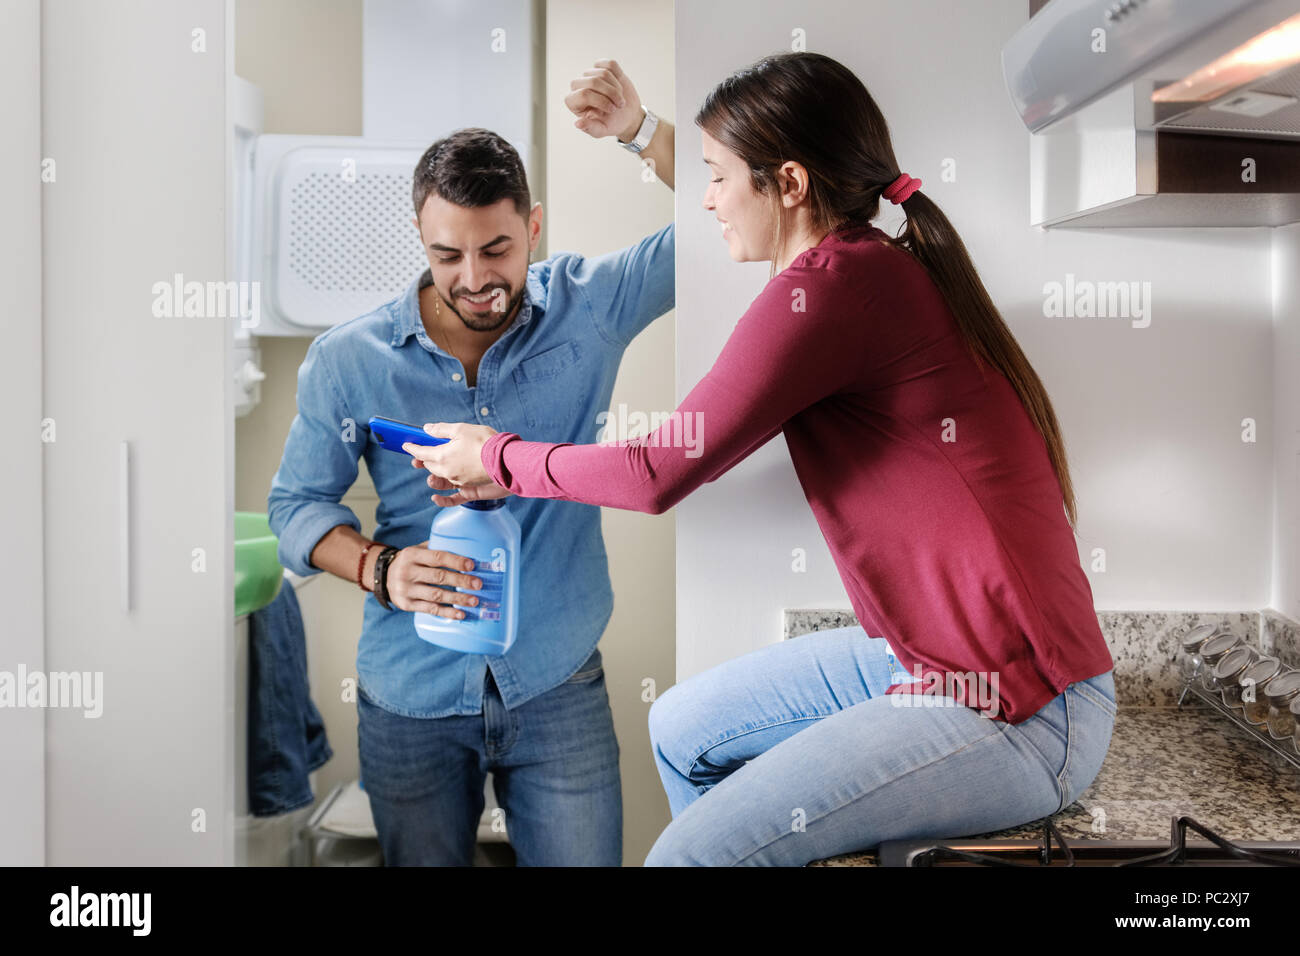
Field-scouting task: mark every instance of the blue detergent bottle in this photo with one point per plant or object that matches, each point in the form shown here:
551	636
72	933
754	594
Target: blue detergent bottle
488	533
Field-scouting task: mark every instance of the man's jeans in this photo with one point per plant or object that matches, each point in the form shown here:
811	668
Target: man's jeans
794	752
554	763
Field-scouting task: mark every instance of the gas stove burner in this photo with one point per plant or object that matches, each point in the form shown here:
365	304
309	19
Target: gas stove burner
1178	852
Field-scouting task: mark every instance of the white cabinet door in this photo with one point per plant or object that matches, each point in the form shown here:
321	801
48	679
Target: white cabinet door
134	120
22	646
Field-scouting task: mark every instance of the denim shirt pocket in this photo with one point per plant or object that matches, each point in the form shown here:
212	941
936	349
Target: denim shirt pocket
544	399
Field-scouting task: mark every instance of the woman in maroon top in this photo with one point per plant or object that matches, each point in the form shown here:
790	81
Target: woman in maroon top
929	452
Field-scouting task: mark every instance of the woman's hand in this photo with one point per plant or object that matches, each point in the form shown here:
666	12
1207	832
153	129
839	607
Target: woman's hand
456	462
605	102
472	493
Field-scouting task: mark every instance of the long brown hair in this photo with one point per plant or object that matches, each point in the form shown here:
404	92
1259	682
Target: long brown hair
813	110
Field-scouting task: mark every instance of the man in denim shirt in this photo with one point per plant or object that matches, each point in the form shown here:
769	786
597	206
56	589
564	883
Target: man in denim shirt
481	336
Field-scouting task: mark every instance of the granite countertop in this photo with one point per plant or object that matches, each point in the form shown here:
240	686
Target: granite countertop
1165	761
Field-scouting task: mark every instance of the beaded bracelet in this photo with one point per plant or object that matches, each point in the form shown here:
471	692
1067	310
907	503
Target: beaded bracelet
361	564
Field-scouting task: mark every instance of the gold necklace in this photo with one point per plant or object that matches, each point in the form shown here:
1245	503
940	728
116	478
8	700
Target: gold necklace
437	304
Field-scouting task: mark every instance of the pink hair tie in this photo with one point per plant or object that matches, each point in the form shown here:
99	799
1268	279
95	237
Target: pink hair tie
901	188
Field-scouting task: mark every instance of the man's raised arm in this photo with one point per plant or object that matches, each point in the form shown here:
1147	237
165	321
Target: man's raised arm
607	104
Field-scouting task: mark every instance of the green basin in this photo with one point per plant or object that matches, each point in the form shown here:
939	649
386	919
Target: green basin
257	567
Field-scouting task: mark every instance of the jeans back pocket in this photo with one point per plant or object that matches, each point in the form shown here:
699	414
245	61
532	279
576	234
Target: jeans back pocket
1099	691
592	668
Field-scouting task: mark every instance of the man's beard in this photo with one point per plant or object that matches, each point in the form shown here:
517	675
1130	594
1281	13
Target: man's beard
490	322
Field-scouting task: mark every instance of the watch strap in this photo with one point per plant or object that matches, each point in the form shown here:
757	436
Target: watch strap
644	134
381	576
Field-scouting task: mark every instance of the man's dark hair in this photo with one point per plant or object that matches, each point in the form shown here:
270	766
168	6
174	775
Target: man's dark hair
471	167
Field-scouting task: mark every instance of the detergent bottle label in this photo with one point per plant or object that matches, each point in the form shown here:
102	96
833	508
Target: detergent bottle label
492	573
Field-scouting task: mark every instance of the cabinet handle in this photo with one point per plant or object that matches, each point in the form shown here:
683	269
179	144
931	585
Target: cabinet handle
124	523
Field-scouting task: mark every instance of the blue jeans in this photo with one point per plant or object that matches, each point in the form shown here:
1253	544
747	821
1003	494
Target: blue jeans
794	752
554	764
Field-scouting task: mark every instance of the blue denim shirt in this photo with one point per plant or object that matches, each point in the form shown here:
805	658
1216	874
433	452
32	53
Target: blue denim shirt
547	378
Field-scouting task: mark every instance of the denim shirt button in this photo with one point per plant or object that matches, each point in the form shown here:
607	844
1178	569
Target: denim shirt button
455	376
483	410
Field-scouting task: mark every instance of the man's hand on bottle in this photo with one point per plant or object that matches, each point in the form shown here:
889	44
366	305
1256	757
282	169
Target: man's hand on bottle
421	579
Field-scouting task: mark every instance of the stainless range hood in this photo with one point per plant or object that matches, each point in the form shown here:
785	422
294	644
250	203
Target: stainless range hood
1160	112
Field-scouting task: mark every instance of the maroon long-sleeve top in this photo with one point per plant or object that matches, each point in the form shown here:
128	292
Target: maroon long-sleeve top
928	479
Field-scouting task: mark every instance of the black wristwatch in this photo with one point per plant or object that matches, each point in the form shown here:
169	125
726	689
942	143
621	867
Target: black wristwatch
381	575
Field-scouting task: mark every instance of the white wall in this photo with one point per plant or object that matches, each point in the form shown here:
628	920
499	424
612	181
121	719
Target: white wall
400	31
597	202
1151	416
1286	392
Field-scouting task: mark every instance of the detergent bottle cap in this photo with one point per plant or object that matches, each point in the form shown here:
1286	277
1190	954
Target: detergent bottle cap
487	504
